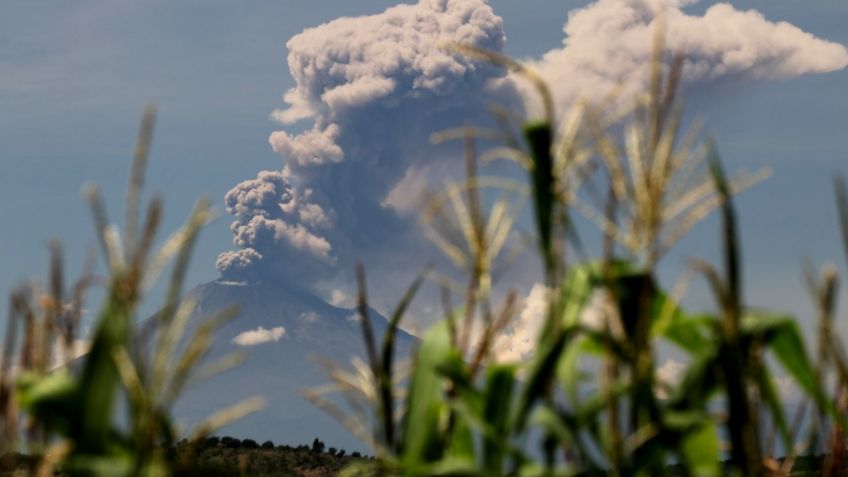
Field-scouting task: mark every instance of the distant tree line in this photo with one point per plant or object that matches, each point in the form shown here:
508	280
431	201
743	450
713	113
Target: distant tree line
216	456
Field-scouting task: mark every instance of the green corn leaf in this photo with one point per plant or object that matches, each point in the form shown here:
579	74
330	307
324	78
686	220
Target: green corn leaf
630	288
565	428
497	409
779	332
34	389
689	332
50	398
588	413
775	406
701	450
460	447
100	380
449	468
561	326
112	465
568	372
539	137
542	371
468	409
455	370
394	322
580	282
699	382
384	376
423	439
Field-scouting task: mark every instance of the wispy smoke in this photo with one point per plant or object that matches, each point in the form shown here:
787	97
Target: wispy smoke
609	42
374	89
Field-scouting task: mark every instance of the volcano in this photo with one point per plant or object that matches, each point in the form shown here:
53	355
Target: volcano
284	333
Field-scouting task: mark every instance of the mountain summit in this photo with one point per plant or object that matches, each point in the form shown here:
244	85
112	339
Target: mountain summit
285	333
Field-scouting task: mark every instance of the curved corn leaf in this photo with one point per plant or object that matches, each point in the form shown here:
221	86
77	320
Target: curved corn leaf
775	406
542	371
51	398
422	434
569	372
701	450
496	411
100	381
779	332
539	137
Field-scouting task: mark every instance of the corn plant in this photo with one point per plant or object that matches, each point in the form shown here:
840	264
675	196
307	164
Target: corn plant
588	401
69	411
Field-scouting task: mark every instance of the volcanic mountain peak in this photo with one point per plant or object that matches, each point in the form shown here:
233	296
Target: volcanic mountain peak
284	332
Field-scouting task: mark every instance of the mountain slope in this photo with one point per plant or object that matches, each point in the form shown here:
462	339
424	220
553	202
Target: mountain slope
278	370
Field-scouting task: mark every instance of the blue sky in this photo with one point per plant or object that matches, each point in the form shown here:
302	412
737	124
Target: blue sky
75	76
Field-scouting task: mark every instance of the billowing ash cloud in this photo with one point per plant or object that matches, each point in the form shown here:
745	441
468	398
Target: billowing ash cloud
259	335
369	91
608	42
374	89
271	216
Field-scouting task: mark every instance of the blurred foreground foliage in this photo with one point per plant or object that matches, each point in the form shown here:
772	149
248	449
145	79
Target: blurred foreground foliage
589	400
65	410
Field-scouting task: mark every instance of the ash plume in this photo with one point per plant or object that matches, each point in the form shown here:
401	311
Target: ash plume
273	217
369	91
608	43
373	90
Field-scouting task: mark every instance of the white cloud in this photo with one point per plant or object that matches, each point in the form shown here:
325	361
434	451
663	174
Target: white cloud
597	310
520	341
670	372
340	298
609	42
259	335
668	375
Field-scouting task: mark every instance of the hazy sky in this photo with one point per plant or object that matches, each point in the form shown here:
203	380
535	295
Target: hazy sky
75	76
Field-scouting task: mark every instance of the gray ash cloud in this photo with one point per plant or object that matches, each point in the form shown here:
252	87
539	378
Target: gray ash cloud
370	90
